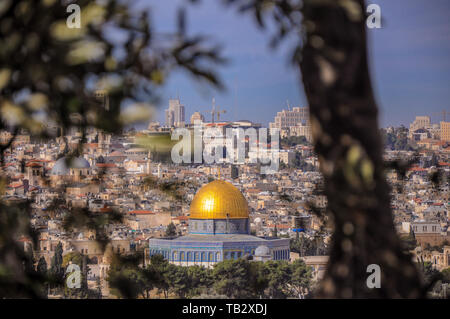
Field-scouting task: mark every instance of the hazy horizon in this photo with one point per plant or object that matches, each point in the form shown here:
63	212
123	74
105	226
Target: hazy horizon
409	63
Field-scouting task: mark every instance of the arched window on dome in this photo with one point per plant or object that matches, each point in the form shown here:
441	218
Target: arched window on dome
182	256
189	256
210	257
196	256
217	256
174	255
203	257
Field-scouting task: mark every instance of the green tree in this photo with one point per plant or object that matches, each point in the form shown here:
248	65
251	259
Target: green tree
275	232
42	270
301	277
125	276
446	275
278	274
179	281
199	280
160	269
171	230
233	278
73	257
42	266
56	266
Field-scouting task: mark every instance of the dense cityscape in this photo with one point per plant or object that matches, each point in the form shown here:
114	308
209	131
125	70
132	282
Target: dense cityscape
211	218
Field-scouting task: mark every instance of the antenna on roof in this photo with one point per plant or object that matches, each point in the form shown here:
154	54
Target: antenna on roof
288	105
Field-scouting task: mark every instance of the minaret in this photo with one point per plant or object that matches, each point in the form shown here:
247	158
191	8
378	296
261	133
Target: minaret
159	170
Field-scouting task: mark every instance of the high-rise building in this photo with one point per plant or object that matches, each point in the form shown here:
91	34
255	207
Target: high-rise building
445	131
197	117
175	113
303	129
419	122
293	122
288	118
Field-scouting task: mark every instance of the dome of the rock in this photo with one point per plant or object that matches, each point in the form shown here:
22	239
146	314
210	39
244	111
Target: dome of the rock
219	200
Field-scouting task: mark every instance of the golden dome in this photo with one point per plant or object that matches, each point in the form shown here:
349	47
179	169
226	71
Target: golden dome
217	199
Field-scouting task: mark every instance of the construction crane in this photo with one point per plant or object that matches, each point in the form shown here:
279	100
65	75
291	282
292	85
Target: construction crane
215	111
218	112
443	114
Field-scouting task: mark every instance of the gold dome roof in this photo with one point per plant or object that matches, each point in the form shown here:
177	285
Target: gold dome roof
217	199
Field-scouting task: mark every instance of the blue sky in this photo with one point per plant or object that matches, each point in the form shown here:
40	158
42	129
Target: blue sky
409	56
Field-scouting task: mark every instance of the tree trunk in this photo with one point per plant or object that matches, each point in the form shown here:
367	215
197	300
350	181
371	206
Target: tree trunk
347	141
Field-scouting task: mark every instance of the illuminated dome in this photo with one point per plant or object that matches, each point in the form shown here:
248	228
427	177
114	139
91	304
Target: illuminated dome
217	199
